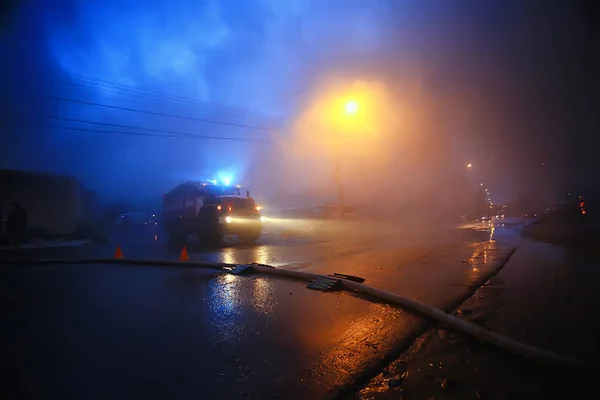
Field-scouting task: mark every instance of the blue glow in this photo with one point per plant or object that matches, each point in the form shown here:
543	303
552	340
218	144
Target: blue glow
203	51
226	176
260	56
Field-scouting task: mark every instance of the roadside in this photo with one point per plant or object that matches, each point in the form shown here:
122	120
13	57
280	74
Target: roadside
544	296
578	233
47	244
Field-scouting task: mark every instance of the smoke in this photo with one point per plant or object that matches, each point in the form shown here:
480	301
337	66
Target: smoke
393	159
25	59
439	84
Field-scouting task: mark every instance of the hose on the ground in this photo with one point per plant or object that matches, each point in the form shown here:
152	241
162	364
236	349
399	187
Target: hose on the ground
448	320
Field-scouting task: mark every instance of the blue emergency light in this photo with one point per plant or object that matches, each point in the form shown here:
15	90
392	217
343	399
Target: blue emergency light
223	180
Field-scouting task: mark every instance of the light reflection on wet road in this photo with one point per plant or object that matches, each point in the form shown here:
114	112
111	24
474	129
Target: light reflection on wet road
125	332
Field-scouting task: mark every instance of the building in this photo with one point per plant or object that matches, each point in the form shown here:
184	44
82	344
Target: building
55	204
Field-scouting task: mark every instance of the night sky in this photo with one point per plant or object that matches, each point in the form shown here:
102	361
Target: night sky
510	86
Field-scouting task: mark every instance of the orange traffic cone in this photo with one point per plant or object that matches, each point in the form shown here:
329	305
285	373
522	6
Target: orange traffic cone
118	252
184	255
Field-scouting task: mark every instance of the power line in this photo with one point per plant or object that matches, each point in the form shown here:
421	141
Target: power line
137	91
147	96
139	104
178	134
70	128
91	103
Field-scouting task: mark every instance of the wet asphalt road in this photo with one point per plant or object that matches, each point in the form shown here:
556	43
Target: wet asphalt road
545	296
98	331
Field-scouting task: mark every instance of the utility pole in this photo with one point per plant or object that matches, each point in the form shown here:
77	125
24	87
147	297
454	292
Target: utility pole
338	178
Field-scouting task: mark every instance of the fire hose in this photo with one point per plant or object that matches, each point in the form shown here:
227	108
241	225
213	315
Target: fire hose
514	347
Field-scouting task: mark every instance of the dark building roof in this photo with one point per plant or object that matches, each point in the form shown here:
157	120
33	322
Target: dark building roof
17	175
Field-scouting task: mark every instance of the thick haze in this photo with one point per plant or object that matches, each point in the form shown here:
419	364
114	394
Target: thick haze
505	85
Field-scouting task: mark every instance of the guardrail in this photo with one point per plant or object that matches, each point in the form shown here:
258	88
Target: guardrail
309	221
312	212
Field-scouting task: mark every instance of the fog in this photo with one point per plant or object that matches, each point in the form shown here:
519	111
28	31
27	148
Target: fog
157	93
376	147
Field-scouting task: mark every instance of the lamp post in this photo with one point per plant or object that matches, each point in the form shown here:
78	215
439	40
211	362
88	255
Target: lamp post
338	178
351	108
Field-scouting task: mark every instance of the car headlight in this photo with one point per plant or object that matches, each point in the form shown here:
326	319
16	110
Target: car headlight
228	219
263	218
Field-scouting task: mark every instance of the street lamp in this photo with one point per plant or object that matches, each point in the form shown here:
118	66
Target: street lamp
469	165
351	107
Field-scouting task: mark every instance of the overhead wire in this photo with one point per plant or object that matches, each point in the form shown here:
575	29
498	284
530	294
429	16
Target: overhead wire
162	114
127	90
200	137
165	132
134	91
121	86
146	98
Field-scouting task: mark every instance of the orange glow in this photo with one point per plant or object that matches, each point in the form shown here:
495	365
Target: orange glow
393	144
356	122
264	299
219	208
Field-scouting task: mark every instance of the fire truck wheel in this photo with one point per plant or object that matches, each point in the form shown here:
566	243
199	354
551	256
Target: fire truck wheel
216	236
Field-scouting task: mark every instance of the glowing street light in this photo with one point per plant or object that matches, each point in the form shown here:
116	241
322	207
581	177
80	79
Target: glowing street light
351	107
469	165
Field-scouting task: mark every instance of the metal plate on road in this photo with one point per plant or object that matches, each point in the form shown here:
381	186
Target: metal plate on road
348	277
239	269
324	284
262	265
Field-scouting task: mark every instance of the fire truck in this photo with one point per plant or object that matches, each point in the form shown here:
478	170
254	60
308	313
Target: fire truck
211	211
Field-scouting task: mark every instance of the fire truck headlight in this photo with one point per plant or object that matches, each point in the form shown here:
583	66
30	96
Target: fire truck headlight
228	220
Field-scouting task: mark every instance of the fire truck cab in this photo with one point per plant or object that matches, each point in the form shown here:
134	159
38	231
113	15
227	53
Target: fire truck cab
210	211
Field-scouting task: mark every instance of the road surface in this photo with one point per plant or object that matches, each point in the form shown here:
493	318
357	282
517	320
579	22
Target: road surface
108	331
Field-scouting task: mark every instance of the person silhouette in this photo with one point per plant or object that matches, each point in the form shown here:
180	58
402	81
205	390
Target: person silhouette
16	225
